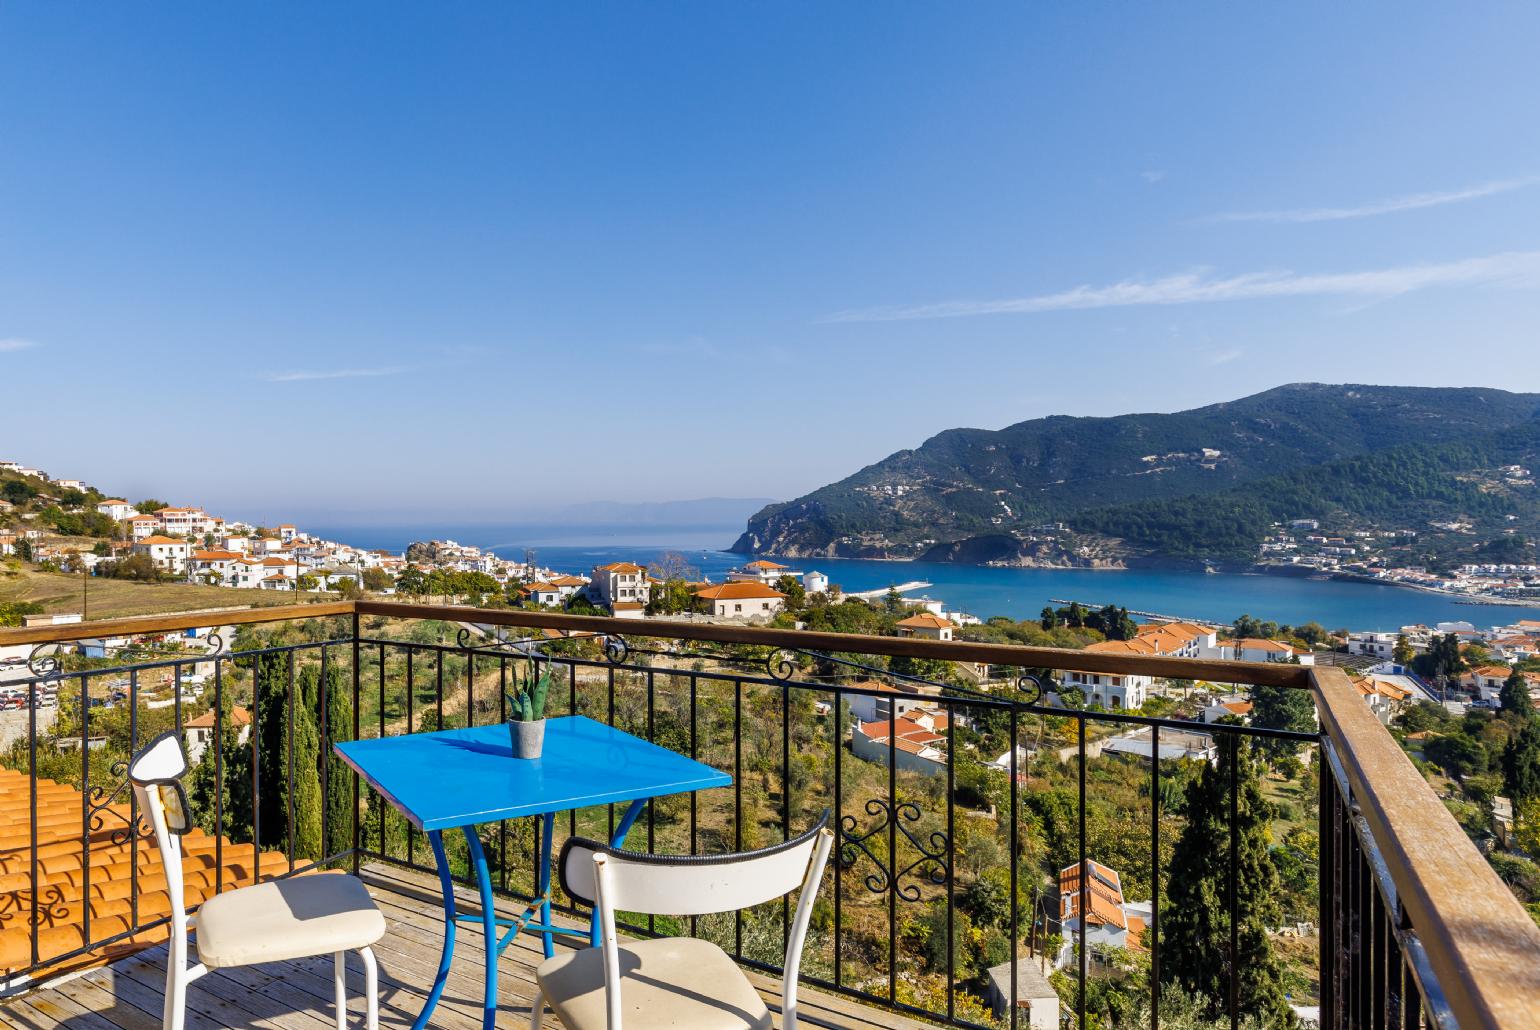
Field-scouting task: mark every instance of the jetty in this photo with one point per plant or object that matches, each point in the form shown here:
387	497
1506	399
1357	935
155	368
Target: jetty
1156	616
902	588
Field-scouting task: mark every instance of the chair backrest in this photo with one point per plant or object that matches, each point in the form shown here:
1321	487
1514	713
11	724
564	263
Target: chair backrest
688	885
156	775
611	879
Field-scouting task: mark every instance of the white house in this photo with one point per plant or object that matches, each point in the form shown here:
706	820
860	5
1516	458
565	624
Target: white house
815	582
1486	681
886	701
915	741
216	567
1234	704
198	734
1108	920
742	600
116	509
567	585
167	554
1376	645
927	625
1253	649
142	526
1114	690
619	581
188	521
541	593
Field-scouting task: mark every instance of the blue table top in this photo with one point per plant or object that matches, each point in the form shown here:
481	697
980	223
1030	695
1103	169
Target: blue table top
462	777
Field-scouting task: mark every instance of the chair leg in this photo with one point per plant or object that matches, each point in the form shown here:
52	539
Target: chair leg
174	1013
340	986
371	989
536	1009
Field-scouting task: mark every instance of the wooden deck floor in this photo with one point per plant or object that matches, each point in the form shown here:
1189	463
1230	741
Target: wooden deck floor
297	995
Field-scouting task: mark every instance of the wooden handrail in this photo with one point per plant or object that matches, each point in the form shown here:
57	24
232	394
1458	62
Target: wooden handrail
1263	673
141	624
1482	945
1267	674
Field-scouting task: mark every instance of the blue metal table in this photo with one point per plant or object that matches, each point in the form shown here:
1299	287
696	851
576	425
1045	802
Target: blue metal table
461	778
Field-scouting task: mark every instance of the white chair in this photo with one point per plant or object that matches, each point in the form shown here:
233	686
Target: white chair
676	982
299	917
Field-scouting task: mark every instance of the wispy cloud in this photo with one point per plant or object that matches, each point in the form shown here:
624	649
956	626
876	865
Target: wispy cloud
1152	175
1410	202
16	343
305	375
1224	357
1516	269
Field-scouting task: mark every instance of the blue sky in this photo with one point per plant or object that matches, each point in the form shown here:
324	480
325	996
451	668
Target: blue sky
465	261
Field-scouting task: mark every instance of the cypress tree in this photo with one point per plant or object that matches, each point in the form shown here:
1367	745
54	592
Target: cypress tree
1195	920
270	736
1514	697
336	696
1521	763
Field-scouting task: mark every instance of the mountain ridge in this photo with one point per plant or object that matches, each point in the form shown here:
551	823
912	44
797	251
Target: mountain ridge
966	485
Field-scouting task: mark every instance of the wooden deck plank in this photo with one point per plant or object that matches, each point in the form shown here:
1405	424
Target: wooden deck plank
297	994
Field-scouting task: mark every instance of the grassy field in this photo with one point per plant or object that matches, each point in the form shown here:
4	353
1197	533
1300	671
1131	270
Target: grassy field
117	598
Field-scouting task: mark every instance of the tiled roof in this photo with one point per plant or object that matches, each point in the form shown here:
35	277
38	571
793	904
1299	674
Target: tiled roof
925	620
907	733
76	872
765	565
737	592
1105	890
238	717
1138	645
622	568
1258	644
215	555
161	540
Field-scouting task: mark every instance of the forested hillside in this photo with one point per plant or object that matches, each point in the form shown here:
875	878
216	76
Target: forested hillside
1204	483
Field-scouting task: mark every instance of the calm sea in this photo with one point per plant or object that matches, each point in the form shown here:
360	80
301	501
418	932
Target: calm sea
1019	593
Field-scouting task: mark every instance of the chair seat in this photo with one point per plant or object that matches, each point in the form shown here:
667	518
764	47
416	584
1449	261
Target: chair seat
284	919
676	982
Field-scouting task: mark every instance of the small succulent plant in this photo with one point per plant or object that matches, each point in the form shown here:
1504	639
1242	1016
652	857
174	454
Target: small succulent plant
527	701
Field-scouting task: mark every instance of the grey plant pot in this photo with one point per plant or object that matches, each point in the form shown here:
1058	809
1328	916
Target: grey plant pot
528	738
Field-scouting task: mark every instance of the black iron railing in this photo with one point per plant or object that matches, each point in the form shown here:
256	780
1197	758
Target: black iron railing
775	711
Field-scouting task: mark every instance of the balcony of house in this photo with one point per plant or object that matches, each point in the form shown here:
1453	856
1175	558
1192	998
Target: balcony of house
1233	874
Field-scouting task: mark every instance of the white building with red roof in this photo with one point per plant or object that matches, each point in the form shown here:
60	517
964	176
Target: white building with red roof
619	581
927	625
117	509
141	526
168	554
741	600
915	742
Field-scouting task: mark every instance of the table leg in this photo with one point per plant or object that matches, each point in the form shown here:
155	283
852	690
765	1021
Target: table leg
436	839
543	891
489	925
616	841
